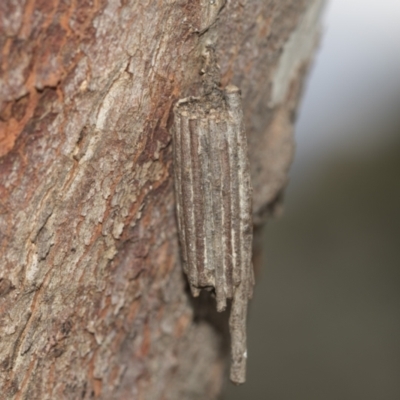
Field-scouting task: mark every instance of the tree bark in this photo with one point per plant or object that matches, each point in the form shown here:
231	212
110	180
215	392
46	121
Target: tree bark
93	302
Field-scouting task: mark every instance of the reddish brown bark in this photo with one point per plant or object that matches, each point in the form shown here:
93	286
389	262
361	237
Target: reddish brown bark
93	302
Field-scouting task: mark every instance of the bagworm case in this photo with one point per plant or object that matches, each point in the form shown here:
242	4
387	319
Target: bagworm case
213	197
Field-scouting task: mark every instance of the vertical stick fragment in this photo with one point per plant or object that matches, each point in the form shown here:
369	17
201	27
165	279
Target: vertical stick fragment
178	188
206	172
215	159
227	215
198	203
235	203
245	188
187	202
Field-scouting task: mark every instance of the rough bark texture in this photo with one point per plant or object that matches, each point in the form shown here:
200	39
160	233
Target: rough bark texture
213	195
93	303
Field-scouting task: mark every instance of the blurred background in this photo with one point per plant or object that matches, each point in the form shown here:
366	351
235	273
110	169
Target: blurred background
325	320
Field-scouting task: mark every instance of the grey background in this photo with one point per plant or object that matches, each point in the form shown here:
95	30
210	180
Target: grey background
324	323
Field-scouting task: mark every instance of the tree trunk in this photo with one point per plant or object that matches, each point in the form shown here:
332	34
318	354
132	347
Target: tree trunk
93	302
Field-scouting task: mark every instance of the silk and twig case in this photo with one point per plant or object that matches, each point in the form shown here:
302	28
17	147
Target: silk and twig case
213	196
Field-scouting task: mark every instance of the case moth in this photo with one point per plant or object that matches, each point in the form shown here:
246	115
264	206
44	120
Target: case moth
213	198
